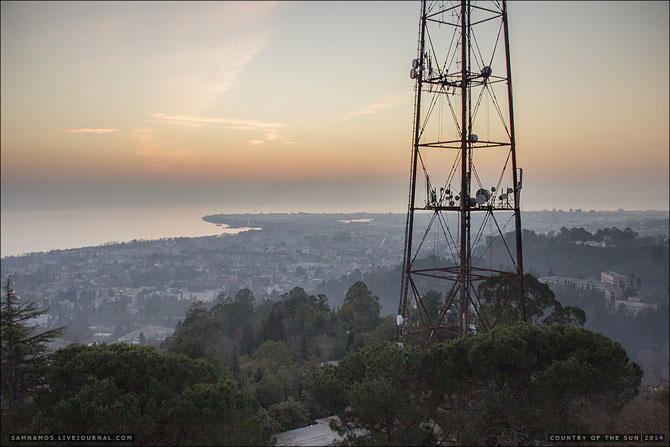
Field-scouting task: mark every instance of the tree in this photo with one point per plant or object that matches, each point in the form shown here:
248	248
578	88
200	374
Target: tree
215	414
273	326
386	330
202	334
433	302
235	315
245	296
234	367
533	381
273	355
25	356
511	385
247	343
326	390
375	389
542	307
360	308
288	415
297	318
268	390
161	397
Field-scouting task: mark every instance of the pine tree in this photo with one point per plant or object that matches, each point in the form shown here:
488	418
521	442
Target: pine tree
247	343
24	352
234	367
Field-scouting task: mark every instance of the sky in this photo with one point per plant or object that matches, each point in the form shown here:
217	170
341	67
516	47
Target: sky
308	106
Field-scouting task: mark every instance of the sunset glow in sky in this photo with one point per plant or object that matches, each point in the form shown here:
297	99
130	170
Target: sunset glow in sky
307	106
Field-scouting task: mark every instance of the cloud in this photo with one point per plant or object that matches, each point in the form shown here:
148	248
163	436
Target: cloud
269	128
147	145
385	102
90	130
199	76
291	142
158	159
227	122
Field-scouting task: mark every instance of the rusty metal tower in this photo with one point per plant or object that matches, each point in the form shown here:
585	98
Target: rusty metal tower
465	185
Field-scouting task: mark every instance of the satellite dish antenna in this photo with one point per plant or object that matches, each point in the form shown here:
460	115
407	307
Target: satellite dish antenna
412	73
486	72
415	63
482	196
473	138
399	320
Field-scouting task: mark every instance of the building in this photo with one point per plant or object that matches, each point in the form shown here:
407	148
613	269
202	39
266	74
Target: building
611	284
577	283
614	279
318	434
158	333
633	305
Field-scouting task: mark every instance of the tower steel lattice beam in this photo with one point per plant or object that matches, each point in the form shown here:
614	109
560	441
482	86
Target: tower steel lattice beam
461	54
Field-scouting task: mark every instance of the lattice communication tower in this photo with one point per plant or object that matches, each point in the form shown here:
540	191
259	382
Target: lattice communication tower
463	223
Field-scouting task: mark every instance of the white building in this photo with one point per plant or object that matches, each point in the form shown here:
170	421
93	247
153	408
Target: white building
611	284
318	434
633	305
614	279
159	333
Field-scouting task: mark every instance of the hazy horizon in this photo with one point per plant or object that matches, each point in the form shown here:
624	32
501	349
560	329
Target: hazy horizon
308	106
29	231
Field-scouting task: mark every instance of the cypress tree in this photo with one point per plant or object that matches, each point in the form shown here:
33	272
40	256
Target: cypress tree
24	351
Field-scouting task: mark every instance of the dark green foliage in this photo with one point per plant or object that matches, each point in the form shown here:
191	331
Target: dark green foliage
163	398
275	387
214	334
644	336
385	331
268	390
272	355
215	414
288	415
360	308
432	301
514	384
247	343
327	389
194	336
646	258
234	367
25	360
338	351
542	307
234	315
273	326
298	318
24	351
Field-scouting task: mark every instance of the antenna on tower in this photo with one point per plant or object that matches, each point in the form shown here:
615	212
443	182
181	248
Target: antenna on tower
462	59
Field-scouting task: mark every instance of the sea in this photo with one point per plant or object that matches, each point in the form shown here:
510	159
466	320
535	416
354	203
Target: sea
27	231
